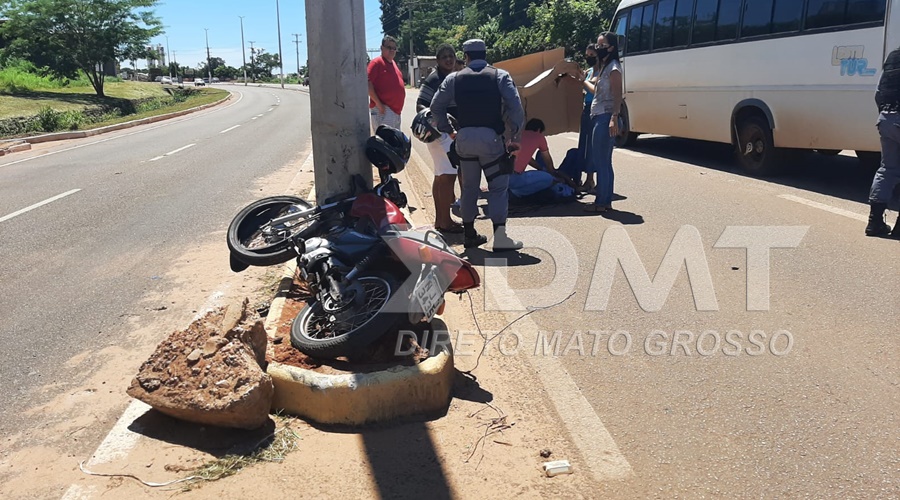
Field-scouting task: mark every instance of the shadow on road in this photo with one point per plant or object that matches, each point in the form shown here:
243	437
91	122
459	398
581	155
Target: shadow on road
216	441
838	176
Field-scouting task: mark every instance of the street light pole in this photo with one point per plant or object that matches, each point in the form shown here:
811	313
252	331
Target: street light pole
280	57
167	56
252	63
243	51
297	43
208	65
175	58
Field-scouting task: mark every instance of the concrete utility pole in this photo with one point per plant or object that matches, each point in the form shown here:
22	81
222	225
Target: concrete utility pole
340	113
412	56
208	65
252	63
280	55
243	50
297	43
167	56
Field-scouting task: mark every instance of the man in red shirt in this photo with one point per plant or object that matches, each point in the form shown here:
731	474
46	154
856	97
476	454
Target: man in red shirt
386	89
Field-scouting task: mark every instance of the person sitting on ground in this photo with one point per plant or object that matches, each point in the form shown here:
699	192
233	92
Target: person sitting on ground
533	141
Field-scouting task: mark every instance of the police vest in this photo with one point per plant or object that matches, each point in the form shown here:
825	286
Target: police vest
888	95
478	100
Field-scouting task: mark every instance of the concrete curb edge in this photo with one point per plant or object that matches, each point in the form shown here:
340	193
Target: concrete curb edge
62	136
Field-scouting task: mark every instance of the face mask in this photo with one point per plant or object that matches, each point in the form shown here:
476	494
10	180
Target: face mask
591	60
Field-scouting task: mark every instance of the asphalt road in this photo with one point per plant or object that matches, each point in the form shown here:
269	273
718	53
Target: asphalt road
813	412
74	269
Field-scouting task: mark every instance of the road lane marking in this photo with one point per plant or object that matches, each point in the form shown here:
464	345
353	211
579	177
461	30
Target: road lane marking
180	149
166	124
229	129
270	109
38	205
255	117
634	154
157	158
827	208
260	115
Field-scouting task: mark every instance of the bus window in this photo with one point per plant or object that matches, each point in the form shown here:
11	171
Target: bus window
865	11
681	33
662	33
727	23
757	18
705	21
619	27
647	28
634	30
786	16
825	13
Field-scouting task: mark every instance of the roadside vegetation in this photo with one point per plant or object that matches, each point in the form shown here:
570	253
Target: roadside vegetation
31	102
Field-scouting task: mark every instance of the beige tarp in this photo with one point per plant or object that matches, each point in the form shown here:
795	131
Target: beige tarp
556	102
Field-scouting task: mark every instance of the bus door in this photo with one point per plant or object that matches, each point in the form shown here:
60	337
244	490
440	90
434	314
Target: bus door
892	27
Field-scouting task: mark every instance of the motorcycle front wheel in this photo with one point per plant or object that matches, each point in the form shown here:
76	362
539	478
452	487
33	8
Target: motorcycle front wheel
323	334
252	240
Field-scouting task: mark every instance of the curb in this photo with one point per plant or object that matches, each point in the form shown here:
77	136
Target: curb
17	146
359	398
61	136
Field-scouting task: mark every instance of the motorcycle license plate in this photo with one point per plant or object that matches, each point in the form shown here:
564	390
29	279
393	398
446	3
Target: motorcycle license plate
428	295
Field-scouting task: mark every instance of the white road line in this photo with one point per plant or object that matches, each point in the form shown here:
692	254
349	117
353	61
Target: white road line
229	129
634	154
37	205
598	448
120	439
170	153
270	109
166	124
260	115
255	117
822	206
157	158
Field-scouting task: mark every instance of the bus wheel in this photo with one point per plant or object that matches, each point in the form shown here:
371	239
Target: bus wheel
869	160
626	137
756	149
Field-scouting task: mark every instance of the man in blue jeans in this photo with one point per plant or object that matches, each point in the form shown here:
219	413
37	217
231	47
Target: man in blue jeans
887	179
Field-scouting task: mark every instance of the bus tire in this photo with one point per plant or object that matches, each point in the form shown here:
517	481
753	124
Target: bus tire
626	137
756	152
869	160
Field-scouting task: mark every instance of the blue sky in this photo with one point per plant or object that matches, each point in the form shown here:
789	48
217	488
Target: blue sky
185	21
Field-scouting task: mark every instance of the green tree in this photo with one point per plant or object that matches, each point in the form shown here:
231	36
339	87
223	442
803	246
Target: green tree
68	36
265	63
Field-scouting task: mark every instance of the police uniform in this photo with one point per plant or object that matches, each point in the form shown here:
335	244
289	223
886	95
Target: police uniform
487	109
887	179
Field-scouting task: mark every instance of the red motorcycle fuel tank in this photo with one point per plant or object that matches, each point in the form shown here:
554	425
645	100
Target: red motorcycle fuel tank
382	212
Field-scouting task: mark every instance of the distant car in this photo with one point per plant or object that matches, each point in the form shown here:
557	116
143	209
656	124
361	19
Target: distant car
158	79
198	82
215	80
165	80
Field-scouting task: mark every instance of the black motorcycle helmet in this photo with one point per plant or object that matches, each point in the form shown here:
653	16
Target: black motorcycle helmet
388	149
424	127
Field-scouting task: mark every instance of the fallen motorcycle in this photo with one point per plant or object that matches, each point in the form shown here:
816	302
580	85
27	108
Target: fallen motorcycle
365	268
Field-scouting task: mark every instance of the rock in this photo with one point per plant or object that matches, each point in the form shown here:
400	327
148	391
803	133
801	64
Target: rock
188	378
545	453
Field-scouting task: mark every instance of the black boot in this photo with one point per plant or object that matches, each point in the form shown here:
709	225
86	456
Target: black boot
472	238
502	242
876	226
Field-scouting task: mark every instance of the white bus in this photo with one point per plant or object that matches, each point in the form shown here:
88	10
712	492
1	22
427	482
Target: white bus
769	76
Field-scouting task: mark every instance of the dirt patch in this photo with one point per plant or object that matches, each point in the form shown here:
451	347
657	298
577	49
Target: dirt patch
379	356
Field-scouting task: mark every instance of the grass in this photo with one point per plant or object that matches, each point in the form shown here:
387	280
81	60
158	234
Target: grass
283	441
63	107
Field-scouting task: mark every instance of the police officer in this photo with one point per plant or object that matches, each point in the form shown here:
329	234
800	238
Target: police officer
487	109
887	179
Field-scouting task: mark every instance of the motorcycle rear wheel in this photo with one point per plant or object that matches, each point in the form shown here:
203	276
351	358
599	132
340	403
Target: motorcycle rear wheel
250	245
317	333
